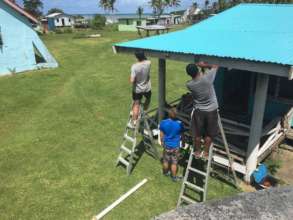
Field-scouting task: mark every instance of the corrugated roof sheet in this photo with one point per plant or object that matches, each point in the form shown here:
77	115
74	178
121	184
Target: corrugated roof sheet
257	32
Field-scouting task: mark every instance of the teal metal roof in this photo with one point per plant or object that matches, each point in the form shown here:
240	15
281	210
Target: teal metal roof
255	32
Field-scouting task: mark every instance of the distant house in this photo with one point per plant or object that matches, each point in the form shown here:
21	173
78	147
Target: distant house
129	24
21	49
59	20
81	22
165	20
192	14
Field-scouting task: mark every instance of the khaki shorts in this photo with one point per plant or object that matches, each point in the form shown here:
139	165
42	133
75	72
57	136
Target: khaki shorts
171	156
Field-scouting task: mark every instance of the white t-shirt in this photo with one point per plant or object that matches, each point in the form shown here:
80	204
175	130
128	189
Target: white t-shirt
140	72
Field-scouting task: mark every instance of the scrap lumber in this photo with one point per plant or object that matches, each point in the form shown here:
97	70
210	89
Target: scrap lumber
118	201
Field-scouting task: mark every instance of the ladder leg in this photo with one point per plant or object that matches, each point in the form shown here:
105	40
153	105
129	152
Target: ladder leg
185	176
150	136
208	173
227	149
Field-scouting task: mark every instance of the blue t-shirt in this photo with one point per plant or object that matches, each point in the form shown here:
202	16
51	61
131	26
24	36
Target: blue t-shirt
172	130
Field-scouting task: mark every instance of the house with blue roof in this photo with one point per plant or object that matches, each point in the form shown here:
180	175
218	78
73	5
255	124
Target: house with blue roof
21	49
253	46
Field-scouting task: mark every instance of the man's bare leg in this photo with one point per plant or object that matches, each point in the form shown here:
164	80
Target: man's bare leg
165	167
135	111
197	146
207	144
174	170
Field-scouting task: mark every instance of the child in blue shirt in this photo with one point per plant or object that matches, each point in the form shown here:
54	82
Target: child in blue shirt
170	133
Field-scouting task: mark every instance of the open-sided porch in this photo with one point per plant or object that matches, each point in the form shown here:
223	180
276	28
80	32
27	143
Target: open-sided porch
251	137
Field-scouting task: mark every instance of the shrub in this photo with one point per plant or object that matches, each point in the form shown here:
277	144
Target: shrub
98	22
112	27
67	30
63	30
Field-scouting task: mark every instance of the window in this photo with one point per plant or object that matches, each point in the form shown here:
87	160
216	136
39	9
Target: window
57	19
280	88
127	22
69	19
138	23
38	56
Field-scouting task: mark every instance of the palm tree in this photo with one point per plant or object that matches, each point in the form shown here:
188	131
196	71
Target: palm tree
160	5
139	12
107	5
157	5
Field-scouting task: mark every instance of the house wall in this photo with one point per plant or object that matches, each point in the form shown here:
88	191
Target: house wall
131	27
68	21
274	107
51	24
17	53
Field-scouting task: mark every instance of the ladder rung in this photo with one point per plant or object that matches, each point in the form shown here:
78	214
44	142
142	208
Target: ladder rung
146	132
122	160
129	127
127	150
187	199
148	144
198	171
130	139
193	186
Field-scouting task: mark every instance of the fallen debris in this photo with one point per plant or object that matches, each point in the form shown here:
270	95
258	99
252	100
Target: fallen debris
118	201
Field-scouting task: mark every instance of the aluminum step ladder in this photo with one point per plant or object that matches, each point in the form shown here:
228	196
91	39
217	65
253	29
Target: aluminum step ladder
129	146
191	172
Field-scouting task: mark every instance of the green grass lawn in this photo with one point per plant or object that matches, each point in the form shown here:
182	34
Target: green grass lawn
60	131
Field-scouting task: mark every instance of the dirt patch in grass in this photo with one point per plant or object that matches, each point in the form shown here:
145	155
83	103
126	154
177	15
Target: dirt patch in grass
285	173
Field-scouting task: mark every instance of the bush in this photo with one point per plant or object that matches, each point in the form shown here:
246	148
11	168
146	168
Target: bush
67	30
98	22
111	27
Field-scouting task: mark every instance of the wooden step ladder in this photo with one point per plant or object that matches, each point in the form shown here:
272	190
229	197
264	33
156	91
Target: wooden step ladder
204	174
129	146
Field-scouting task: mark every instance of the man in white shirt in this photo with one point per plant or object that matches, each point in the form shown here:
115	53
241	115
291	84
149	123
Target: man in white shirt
140	79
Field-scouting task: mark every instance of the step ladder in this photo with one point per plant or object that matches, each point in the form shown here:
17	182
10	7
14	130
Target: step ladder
203	175
129	147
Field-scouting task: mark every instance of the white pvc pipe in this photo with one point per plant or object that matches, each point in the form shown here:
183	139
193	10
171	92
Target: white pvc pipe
118	201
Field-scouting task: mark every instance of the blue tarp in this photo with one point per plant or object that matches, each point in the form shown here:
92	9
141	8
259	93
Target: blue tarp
260	173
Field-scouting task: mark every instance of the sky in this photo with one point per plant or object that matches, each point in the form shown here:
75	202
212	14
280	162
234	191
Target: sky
92	6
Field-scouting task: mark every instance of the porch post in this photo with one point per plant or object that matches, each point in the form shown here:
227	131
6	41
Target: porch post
162	88
256	123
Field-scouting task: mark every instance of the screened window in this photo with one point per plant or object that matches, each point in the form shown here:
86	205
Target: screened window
280	88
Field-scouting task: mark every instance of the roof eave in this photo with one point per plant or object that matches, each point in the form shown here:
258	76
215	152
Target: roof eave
21	11
269	68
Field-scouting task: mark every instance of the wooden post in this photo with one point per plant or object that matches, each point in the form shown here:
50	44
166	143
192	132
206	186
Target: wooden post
162	88
256	123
